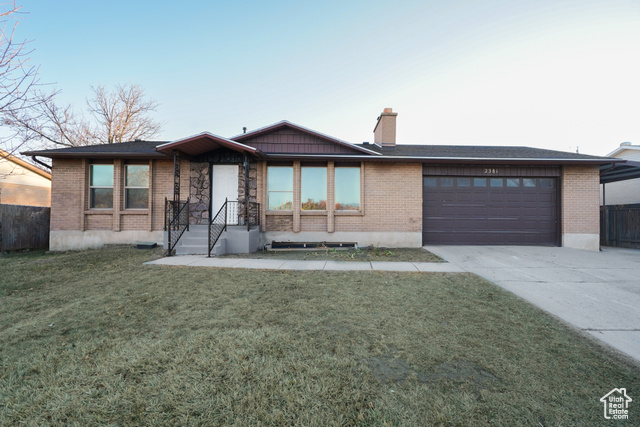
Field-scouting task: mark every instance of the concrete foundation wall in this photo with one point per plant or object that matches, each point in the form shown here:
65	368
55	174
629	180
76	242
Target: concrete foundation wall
65	240
239	241
383	239
589	242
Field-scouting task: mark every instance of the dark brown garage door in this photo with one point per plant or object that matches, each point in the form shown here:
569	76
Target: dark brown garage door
490	211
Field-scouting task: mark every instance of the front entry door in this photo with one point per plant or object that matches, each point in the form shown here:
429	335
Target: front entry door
224	185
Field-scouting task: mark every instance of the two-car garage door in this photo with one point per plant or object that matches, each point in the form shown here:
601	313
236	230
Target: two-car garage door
490	210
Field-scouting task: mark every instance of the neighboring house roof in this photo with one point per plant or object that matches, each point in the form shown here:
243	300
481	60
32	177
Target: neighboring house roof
615	172
10	157
625	146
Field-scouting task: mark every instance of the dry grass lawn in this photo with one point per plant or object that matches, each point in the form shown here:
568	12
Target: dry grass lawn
97	338
357	254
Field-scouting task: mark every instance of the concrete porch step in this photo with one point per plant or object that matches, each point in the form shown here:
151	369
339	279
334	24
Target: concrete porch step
237	239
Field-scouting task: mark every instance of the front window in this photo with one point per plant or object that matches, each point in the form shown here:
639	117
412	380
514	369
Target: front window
136	186
280	188
313	188
101	187
347	188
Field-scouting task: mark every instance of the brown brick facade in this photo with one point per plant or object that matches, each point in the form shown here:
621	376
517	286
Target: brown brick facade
581	199
391	200
67	191
70	198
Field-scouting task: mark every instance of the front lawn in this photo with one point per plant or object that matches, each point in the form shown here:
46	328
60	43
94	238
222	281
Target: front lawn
365	254
97	338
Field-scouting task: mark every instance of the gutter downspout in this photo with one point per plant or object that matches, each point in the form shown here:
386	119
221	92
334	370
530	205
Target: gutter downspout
40	162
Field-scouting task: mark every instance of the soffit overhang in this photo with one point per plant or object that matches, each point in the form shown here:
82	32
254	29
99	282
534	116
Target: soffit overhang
203	143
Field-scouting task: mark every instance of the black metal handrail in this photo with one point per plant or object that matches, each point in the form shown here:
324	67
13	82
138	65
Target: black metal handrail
216	226
176	216
243	214
232	212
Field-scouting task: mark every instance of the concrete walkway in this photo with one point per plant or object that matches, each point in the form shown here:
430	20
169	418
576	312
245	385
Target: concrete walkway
279	264
597	292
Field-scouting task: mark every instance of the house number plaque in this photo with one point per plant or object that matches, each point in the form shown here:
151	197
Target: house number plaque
490	171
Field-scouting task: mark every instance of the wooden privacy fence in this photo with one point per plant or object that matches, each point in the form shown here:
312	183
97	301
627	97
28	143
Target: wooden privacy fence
620	226
23	227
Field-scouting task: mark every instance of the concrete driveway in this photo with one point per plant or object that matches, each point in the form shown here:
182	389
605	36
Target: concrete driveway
597	292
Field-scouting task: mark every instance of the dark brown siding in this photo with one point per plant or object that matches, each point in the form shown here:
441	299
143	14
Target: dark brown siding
292	141
490	170
460	211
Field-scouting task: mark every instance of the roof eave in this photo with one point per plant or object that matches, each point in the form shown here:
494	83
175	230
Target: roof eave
460	160
97	155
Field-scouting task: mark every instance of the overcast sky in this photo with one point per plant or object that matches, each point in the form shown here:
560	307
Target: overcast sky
549	74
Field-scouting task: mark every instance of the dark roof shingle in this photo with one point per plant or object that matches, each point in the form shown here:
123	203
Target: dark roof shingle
478	152
137	149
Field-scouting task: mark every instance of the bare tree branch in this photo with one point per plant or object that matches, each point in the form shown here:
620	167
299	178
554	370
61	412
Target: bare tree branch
122	114
119	116
18	78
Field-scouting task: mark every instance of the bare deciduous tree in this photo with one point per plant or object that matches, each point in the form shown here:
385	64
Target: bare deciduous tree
31	117
18	78
123	114
120	115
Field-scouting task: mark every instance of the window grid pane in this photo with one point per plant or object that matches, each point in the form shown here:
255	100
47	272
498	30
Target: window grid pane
347	191
101	186
546	182
280	200
463	182
431	181
102	175
280	178
137	198
102	198
313	188
137	176
446	182
280	188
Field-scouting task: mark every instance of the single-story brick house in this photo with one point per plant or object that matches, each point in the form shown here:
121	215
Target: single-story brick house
293	184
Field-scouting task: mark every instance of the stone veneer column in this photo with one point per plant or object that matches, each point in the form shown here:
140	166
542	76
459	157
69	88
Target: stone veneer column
199	193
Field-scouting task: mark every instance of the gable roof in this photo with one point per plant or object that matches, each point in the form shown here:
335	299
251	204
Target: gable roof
10	157
342	147
287	141
202	143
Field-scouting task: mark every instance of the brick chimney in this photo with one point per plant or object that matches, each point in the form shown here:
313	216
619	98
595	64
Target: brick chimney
384	133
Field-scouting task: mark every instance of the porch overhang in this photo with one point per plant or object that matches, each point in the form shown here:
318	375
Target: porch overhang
614	172
206	142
